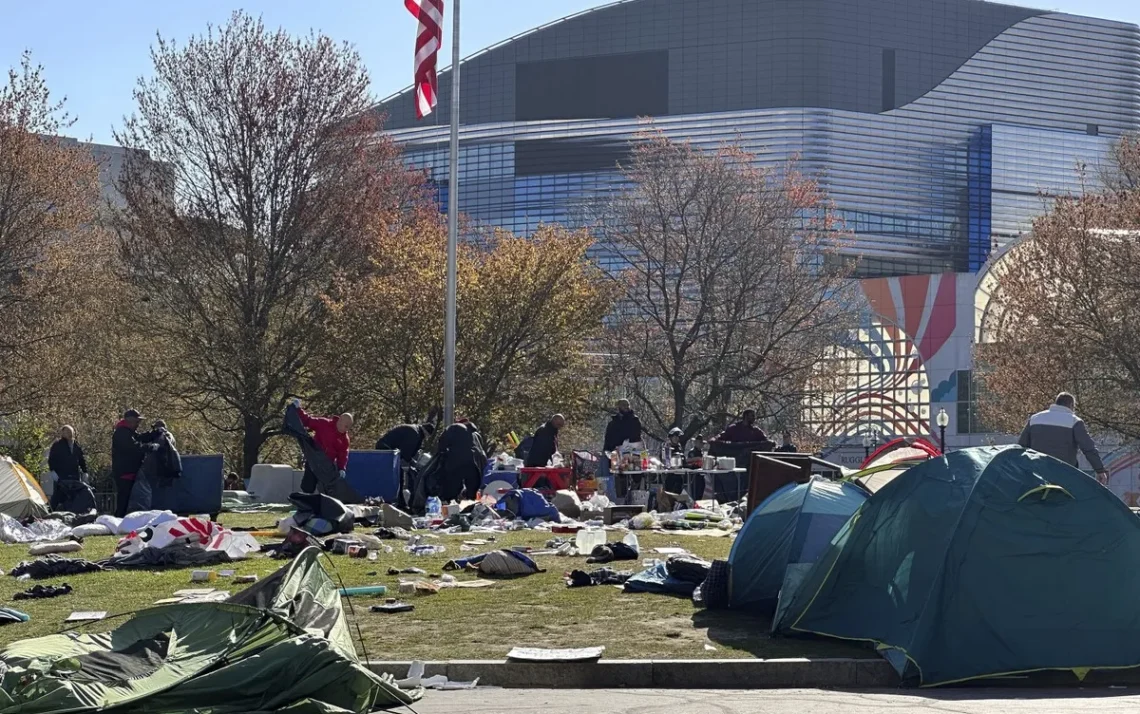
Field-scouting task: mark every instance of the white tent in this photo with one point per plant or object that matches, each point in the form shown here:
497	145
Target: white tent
20	493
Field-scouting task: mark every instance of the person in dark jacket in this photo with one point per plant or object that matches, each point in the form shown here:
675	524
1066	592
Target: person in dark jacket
744	431
787	447
408	439
623	427
545	443
463	459
65	457
128	449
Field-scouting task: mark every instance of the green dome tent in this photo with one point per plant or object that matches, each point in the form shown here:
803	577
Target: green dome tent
281	645
986	562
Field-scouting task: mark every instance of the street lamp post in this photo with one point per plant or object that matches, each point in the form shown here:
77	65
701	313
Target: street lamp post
943	421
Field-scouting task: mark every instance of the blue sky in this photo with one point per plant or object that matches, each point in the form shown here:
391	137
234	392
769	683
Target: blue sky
94	52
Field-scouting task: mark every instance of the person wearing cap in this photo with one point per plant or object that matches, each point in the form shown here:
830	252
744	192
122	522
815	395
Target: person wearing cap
128	449
408	439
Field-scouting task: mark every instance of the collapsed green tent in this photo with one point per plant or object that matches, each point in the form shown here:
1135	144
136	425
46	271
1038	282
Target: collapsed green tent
988	561
281	645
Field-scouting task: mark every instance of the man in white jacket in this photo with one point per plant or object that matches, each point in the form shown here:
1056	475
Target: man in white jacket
1060	433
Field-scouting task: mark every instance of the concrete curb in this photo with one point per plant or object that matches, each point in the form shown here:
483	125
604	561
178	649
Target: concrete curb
797	673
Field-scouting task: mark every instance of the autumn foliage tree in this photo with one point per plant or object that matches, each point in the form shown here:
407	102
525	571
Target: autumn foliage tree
259	183
527	310
732	290
1065	315
49	201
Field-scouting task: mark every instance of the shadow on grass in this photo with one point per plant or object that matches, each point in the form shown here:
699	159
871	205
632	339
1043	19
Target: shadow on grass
750	633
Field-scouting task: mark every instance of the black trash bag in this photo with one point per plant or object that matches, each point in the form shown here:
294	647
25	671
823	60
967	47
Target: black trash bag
142	493
318	505
424	484
688	568
713	592
54	566
73	496
611	552
329	481
602	576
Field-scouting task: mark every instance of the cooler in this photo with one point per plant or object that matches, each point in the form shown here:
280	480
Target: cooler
374	474
272	483
546	479
197	491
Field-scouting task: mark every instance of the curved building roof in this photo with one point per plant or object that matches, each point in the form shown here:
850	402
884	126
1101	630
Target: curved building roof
673	57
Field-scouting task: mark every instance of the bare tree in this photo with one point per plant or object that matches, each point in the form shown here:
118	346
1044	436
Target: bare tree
1066	310
733	289
259	183
49	195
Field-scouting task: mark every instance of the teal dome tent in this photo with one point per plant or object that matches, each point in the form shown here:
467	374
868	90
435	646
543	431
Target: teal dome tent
783	537
985	562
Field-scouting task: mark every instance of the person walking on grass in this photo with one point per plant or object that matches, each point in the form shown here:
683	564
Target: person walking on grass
1060	433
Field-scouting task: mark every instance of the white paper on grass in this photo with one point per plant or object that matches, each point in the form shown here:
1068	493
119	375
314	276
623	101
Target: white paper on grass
416	679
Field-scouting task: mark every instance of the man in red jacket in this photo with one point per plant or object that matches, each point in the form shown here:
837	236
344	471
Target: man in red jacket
330	434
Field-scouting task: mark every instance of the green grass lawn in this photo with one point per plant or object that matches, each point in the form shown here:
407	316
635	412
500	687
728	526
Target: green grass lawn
538	610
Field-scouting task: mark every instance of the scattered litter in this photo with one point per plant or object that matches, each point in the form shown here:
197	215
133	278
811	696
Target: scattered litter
53	566
202	576
602	576
425	587
709	648
87	616
11	531
243	579
502	563
393	606
9	616
39	592
90	530
364	590
475	542
225	573
534	654
670	551
406	587
465	583
407	571
416	679
192	596
69	546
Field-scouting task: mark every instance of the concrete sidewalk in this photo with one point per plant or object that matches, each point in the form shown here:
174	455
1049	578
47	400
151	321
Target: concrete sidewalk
798	701
665	674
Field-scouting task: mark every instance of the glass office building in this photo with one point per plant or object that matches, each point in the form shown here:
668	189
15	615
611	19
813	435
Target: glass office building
938	129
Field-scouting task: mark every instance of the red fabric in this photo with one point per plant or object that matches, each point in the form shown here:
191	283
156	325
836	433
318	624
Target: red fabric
327	438
429	37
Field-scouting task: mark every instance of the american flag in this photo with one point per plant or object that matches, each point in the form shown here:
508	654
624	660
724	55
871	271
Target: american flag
429	38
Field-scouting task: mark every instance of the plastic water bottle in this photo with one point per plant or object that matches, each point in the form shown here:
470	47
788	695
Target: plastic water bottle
434	508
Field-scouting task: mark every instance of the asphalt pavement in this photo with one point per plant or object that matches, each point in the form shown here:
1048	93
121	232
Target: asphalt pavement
783	701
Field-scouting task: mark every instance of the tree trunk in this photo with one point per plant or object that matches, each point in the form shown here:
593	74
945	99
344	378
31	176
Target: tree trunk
252	440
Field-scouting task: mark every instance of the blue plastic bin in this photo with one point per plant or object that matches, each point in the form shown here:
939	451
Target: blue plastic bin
374	474
198	491
511	477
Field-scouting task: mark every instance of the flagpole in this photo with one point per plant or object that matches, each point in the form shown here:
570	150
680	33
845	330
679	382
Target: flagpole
452	228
